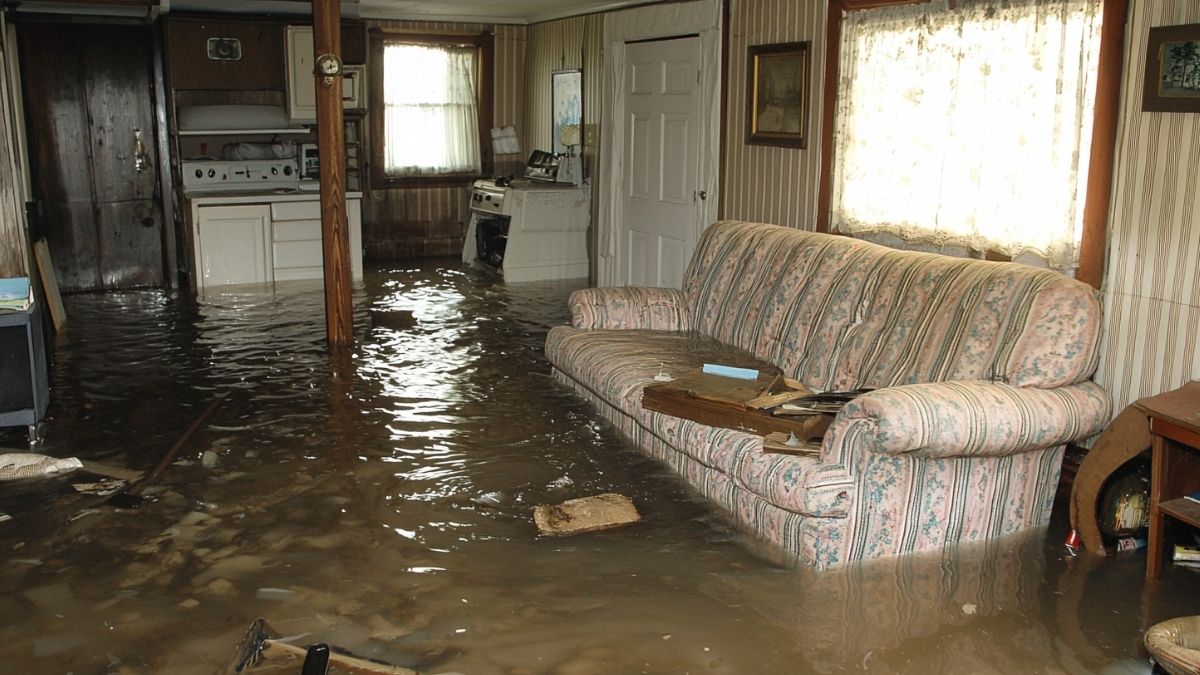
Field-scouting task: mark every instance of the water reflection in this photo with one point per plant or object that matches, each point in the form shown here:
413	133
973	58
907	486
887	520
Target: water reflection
379	498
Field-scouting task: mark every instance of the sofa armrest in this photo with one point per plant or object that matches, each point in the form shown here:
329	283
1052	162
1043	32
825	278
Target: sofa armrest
628	308
969	418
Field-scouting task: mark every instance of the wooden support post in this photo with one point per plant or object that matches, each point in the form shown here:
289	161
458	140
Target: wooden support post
335	234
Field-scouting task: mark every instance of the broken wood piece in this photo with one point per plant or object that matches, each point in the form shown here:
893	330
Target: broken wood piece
721	402
58	315
396	319
586	514
259	647
789	444
771	400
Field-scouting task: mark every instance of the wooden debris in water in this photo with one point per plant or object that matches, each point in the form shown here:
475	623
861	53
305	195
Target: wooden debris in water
396	319
586	514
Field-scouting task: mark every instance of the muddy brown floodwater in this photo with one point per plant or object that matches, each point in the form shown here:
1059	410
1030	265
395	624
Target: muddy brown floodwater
381	502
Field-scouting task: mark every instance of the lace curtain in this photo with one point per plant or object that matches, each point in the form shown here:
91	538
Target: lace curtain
969	126
431	119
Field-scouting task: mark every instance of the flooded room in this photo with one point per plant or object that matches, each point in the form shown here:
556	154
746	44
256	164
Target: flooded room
710	336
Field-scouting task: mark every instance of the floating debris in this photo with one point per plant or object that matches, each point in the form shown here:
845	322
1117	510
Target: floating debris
16	465
586	514
396	319
102	488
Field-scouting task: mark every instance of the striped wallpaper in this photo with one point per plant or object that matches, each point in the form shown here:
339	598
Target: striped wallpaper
1152	286
559	45
554	45
774	185
421	222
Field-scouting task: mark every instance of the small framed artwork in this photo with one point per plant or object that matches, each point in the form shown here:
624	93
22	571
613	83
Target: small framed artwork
566	109
1173	69
777	95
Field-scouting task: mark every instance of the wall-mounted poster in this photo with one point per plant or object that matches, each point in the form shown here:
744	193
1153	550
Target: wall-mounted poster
566	106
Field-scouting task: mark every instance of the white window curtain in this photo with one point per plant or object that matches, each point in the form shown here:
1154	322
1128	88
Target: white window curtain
431	116
968	126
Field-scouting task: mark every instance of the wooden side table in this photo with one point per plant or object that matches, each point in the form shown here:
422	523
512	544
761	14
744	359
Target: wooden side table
1175	433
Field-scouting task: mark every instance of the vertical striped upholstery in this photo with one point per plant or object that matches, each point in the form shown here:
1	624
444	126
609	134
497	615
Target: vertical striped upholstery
840	313
980	370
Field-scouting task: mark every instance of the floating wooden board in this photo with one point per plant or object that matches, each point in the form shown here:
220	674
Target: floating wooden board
41	251
586	514
722	402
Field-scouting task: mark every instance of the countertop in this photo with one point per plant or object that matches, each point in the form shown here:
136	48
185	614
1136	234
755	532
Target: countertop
211	198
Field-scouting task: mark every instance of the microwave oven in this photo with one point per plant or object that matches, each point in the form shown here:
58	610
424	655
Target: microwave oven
310	162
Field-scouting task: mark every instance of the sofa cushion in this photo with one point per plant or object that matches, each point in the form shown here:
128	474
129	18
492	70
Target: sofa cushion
618	364
840	313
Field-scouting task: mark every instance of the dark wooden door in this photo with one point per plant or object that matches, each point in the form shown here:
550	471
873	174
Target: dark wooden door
88	91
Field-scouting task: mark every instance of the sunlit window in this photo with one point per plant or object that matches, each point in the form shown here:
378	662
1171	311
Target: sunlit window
969	126
431	110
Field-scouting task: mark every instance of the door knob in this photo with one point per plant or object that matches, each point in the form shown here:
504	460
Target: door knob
703	194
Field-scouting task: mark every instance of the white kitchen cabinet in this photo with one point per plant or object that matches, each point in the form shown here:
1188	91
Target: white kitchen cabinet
233	245
247	239
298	249
302	87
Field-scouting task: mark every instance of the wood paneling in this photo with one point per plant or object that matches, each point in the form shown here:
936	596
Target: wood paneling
261	65
88	88
1151	311
13	247
771	184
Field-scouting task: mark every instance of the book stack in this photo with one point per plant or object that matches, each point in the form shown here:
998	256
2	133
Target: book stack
1187	556
15	294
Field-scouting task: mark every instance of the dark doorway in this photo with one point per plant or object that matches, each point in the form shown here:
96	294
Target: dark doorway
88	93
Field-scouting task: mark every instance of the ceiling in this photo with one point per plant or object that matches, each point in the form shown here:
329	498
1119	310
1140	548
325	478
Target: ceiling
487	11
471	11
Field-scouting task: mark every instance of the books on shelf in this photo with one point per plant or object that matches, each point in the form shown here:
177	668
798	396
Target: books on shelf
15	294
1187	553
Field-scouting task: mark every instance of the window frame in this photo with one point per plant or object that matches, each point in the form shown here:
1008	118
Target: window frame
1104	128
483	43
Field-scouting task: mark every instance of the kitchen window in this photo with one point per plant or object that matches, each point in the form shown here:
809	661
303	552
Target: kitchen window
431	109
968	124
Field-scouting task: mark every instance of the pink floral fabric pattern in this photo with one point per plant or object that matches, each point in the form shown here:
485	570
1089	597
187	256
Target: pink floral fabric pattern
980	371
630	308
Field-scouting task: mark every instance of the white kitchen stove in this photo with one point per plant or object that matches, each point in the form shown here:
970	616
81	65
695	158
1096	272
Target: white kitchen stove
208	176
529	230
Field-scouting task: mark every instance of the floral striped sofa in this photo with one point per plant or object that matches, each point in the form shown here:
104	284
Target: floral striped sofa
980	369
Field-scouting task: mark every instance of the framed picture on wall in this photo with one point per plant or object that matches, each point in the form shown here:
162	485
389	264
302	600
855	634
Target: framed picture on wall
777	95
566	108
1172	69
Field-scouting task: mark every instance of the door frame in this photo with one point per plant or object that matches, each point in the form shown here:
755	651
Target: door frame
702	18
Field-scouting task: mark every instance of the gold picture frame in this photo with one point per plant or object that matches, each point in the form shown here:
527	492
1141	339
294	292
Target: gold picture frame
777	94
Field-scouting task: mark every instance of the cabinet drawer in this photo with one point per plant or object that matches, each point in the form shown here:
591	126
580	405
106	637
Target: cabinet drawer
307	210
297	273
297	254
298	230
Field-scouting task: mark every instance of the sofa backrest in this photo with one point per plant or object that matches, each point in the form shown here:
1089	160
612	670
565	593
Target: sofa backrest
840	313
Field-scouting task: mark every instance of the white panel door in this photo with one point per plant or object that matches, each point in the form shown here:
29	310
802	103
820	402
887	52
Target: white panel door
662	122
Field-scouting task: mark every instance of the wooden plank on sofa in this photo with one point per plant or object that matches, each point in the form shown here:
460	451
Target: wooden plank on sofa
721	402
